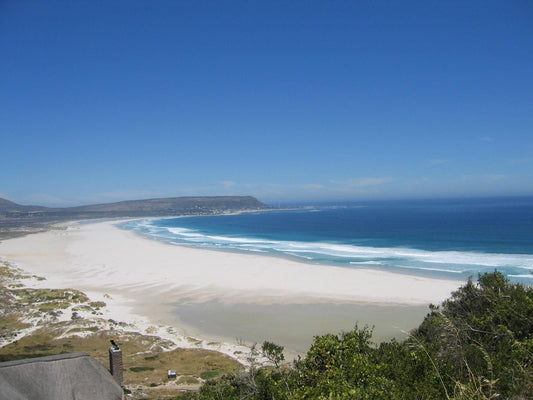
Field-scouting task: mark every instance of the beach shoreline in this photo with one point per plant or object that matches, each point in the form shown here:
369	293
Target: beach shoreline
148	279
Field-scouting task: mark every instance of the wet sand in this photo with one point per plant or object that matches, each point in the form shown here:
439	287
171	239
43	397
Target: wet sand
294	325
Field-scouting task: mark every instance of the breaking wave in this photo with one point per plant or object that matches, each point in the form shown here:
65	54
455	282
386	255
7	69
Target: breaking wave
402	259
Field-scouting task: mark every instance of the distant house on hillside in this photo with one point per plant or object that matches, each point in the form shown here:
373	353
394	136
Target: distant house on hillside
60	377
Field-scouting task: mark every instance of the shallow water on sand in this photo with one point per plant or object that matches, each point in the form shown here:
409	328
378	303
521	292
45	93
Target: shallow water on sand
294	325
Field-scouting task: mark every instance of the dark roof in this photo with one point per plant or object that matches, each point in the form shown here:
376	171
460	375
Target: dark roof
60	377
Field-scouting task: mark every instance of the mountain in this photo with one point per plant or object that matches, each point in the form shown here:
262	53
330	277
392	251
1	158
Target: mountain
12	214
6	205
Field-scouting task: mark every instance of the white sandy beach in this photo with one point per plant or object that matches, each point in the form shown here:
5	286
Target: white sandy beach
147	277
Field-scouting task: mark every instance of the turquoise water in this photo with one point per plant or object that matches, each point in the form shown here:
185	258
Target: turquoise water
441	238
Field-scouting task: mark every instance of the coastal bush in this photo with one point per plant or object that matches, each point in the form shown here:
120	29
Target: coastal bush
141	369
97	304
483	331
478	344
187	380
210	374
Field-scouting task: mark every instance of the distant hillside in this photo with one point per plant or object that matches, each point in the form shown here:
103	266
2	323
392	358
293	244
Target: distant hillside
12	214
6	205
176	205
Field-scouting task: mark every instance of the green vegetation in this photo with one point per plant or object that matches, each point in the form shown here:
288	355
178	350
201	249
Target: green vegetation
194	341
211	374
97	304
188	380
146	357
476	345
49	299
141	369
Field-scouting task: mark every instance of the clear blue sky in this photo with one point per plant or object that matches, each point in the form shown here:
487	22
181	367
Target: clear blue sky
285	100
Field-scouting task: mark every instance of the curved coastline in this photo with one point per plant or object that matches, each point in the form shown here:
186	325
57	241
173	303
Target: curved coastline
149	279
440	252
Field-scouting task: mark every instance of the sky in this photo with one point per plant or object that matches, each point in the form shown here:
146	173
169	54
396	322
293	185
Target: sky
287	101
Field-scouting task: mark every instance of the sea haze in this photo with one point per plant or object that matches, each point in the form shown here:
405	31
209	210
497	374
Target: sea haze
440	238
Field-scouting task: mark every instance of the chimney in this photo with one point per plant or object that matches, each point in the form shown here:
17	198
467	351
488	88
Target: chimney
115	363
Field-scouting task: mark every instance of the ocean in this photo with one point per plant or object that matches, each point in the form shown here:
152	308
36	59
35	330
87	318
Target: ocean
452	238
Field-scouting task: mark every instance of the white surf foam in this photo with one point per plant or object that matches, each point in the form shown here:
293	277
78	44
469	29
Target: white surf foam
441	261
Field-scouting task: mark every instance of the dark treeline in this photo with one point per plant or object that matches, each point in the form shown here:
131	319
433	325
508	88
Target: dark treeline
476	345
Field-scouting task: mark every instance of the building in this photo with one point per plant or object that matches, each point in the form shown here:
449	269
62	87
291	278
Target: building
60	377
115	363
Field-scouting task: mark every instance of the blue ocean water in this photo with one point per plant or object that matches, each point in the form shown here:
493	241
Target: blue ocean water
441	238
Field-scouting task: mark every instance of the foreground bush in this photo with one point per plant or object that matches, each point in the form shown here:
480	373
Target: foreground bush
476	345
